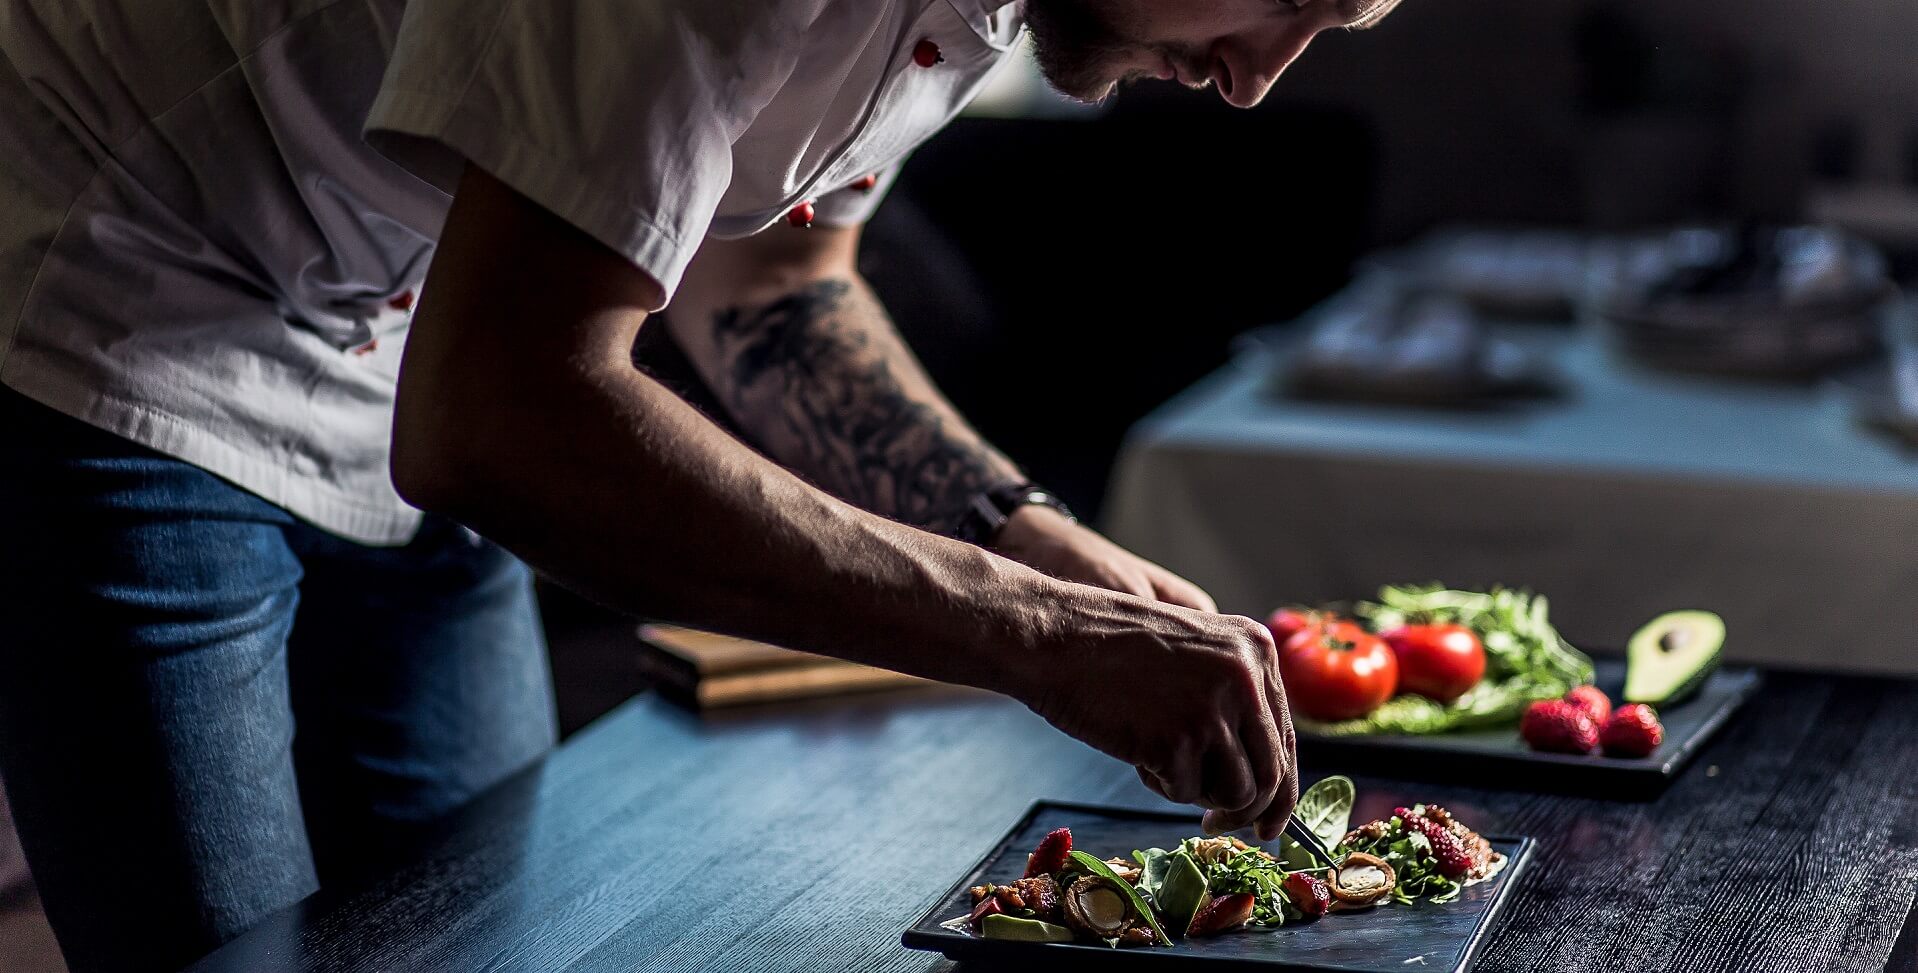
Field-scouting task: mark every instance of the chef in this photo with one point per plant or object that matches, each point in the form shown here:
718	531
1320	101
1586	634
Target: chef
315	330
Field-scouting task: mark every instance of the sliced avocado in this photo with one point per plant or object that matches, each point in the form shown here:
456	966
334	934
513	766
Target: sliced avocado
1182	893
1670	657
1023	930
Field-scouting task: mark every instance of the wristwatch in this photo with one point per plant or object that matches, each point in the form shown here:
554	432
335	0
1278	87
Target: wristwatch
989	510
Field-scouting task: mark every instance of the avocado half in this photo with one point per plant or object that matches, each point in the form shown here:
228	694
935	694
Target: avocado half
1023	930
1670	657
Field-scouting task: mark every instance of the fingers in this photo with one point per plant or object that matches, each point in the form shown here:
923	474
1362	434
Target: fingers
1232	752
1228	787
1285	759
1132	583
1259	762
1115	577
1264	749
1172	589
1272	820
1179	779
1264	736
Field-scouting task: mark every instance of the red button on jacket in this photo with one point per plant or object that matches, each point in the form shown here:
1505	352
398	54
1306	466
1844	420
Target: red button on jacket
926	54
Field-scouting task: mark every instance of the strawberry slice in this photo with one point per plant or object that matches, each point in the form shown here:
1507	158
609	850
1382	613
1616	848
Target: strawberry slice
1051	854
1309	894
1222	914
988	906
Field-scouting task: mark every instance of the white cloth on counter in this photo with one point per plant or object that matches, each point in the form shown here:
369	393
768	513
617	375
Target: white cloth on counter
1641	492
199	251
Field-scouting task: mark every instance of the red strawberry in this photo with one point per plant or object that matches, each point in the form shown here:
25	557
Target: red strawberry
1633	731
1308	893
1557	726
1051	854
1593	701
988	906
1446	848
1223	913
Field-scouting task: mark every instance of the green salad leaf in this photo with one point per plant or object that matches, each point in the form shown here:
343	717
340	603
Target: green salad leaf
1183	891
1525	660
1326	808
1152	869
1295	858
1101	869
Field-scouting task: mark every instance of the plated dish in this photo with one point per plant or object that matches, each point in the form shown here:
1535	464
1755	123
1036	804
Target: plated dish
1434	683
1419	923
1424	660
1219	885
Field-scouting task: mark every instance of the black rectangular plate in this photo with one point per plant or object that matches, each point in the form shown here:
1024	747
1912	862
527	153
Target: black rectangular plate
1383	940
1498	758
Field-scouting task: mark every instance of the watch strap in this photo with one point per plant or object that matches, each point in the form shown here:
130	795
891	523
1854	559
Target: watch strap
988	510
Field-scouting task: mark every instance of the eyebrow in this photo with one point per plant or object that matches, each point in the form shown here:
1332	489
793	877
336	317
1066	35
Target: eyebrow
1366	14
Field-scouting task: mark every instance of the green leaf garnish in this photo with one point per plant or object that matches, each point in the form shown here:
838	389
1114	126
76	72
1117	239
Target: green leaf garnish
1183	892
1152	866
1326	808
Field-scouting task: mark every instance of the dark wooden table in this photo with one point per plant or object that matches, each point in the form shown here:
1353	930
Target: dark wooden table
806	837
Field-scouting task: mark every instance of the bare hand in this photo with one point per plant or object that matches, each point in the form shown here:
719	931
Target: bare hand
1192	699
1040	538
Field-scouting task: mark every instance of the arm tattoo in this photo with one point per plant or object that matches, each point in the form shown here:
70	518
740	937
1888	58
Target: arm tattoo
814	379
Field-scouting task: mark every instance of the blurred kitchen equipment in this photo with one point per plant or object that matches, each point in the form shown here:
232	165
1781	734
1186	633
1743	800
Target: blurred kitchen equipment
1386	343
1775	302
1534	275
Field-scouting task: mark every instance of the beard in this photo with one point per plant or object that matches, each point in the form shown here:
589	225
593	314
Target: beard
1079	43
1075	44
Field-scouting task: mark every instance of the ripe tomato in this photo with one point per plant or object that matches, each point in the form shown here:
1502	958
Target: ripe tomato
1439	662
1335	670
1287	622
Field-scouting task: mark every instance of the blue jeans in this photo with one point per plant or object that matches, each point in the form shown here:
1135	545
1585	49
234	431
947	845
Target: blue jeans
208	708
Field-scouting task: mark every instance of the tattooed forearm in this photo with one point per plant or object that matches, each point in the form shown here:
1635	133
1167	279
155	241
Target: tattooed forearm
822	380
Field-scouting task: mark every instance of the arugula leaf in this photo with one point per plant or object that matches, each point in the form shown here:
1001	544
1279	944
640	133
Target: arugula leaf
1101	869
1326	808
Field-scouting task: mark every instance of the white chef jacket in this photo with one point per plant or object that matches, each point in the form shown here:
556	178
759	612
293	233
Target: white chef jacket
214	213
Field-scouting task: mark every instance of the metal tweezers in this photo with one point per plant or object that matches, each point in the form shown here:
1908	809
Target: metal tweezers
1297	831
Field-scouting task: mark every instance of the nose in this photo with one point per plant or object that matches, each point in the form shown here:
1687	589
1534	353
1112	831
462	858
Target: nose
1245	68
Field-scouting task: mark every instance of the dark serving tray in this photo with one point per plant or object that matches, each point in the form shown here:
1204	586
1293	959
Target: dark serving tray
1389	939
1498	758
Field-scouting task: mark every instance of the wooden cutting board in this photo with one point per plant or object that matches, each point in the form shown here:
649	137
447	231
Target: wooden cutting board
712	671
